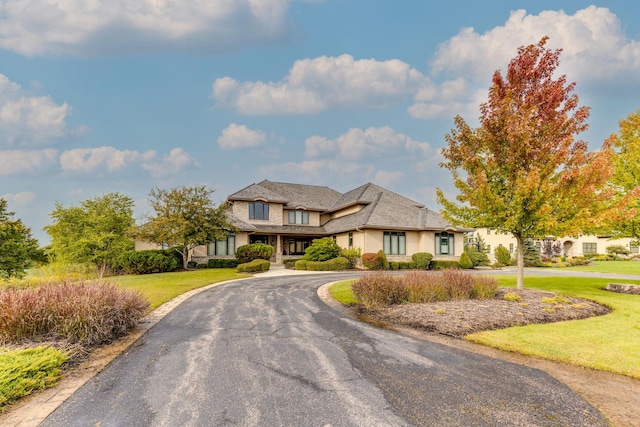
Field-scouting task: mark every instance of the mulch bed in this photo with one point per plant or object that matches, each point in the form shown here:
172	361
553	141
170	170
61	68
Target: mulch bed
462	317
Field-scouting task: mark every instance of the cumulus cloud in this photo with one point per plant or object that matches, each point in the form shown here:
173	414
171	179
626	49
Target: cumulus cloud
358	143
593	42
239	136
318	84
28	119
21	199
26	161
80	27
387	178
315	170
176	161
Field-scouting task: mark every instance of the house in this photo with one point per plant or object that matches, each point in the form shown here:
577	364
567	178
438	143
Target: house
290	216
569	246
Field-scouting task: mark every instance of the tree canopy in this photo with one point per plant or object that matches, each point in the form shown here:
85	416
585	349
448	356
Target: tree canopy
521	171
184	217
17	246
94	232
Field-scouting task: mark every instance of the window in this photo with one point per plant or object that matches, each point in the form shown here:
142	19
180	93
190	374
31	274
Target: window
351	241
488	249
444	244
298	246
258	210
633	249
488	231
589	248
298	217
224	247
510	248
394	243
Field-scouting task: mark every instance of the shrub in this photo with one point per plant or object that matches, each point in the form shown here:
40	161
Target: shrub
192	264
484	287
422	260
247	253
476	257
254	266
301	264
290	263
222	263
465	261
531	254
379	289
459	284
79	312
146	262
394	266
340	263
502	255
383	259
322	250
353	255
402	265
202	265
371	261
616	250
578	260
443	265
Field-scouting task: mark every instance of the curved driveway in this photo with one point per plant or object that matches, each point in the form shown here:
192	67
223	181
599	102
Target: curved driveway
267	352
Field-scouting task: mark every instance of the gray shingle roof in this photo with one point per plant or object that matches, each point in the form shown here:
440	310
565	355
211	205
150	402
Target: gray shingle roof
310	197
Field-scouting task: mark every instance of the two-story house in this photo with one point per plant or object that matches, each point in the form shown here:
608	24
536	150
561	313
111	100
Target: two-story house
289	216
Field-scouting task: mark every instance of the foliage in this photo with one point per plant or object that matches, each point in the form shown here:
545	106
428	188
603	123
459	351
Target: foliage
521	171
352	254
256	265
624	220
301	264
26	370
184	217
247	253
616	250
476	257
146	262
551	248
381	289
531	254
465	261
222	263
444	264
422	260
17	247
503	257
94	232
334	264
290	263
82	312
322	250
383	259
371	261
410	265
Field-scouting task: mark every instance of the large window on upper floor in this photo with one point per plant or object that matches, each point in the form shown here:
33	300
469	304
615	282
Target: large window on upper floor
394	243
259	210
298	217
444	243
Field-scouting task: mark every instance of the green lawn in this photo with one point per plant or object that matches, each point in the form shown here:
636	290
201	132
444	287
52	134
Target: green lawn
609	343
616	267
162	287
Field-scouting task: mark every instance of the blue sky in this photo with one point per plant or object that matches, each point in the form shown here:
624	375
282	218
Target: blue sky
125	95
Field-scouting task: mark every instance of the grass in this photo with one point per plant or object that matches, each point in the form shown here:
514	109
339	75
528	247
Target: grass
608	343
162	287
614	267
24	371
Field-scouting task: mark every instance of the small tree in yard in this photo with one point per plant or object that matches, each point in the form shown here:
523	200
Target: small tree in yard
185	217
322	250
616	250
17	247
503	257
521	171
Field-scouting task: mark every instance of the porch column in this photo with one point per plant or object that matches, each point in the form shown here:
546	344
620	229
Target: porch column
278	249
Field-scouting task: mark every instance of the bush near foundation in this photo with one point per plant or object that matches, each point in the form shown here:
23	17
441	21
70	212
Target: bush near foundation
301	264
340	263
247	253
371	261
81	312
322	250
383	259
444	265
146	262
254	266
422	260
222	263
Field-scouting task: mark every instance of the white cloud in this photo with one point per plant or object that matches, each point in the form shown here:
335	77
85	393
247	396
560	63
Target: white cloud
358	143
27	119
239	136
22	198
593	42
323	83
26	161
387	178
311	171
80	27
177	161
100	158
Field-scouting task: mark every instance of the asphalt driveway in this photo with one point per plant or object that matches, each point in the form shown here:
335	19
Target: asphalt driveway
268	352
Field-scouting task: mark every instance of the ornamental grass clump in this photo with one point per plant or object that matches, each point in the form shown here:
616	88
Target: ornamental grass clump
380	289
83	312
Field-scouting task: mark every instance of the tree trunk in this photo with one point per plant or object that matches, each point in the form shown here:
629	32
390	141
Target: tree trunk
520	261
185	257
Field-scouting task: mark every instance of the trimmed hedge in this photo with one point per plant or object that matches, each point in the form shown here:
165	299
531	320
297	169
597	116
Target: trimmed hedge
247	253
371	261
223	263
411	265
444	265
383	259
290	263
422	260
339	263
254	266
301	264
146	262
